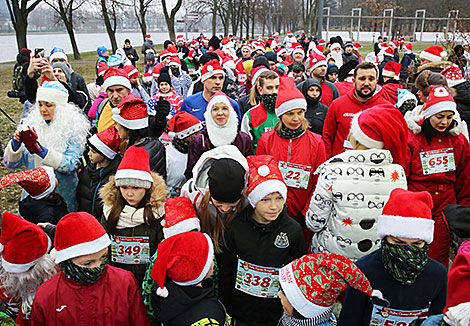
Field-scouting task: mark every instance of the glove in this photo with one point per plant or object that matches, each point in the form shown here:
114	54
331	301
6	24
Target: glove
162	109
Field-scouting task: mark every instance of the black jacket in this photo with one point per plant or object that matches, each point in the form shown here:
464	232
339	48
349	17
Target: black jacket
131	51
463	100
316	111
381	67
244	103
256	243
157	154
47	210
188	305
183	49
78	84
90	180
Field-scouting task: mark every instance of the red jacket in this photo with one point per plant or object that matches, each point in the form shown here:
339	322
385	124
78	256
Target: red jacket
113	300
329	92
390	92
344	87
307	149
339	117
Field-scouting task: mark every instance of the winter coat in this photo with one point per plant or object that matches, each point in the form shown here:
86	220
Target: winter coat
174	99
90	180
269	245
257	121
339	117
113	300
201	143
428	291
462	99
47	210
348	57
351	191
406	61
131	51
176	163
307	150
22	60
148	44
77	83
132	224
316	111
451	187
189	305
157	154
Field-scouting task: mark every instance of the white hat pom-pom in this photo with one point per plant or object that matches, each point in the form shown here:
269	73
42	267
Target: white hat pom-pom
171	134
378	294
263	170
162	292
116	111
210	68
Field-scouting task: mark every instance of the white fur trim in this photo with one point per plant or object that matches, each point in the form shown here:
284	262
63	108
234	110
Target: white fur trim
263	170
131	124
295	103
318	64
48	191
439	107
265	188
133	174
187	132
295	296
53	158
209	74
81	249
406	97
361	137
298	50
21	268
256	75
58	55
452	82
117	80
207	266
431	57
390	74
405	227
1	248
102	147
133	71
52	95
183	226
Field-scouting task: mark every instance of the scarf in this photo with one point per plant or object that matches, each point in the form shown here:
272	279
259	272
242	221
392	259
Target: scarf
82	274
222	135
181	145
325	318
291	134
269	101
404	263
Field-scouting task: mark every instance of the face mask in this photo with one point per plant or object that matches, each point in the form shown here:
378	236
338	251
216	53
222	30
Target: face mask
404	263
269	101
175	71
82	274
181	145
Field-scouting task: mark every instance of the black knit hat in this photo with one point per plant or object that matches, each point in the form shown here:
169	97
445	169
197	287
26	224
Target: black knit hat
163	78
226	180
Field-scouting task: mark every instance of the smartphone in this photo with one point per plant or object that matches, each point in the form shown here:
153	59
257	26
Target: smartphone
39	52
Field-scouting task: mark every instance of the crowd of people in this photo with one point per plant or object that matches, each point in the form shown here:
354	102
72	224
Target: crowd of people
237	182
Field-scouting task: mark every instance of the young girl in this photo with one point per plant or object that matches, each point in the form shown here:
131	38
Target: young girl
258	242
168	92
133	207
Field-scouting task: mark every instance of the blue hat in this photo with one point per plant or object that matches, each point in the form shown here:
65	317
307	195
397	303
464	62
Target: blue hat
348	43
57	53
101	49
52	92
114	60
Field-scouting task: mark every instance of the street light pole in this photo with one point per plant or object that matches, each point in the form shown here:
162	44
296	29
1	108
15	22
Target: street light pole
320	19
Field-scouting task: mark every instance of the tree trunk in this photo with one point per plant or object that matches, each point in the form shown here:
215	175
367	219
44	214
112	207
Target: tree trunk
20	29
109	28
19	18
170	23
214	18
247	20
69	27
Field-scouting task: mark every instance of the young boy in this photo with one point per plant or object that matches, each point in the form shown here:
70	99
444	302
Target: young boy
168	92
104	161
184	293
258	242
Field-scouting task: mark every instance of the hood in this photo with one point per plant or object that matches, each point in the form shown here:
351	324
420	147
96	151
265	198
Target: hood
109	193
434	65
304	88
463	93
149	42
22	57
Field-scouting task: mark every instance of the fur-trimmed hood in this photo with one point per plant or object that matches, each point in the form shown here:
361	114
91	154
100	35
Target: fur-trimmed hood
434	65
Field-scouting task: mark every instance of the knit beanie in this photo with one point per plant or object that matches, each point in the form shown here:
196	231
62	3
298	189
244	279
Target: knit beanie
53	92
134	169
164	78
226	180
63	66
57	53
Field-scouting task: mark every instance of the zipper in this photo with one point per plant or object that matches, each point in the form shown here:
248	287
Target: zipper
289	148
94	195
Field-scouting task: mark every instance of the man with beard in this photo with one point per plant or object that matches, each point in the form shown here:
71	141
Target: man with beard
136	89
318	71
366	94
24	266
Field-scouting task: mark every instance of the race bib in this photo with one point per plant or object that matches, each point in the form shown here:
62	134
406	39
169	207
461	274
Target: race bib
257	280
130	250
295	175
437	161
382	316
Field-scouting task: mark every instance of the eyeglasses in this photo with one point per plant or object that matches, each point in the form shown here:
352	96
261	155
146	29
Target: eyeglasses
378	205
352	171
360	158
358	196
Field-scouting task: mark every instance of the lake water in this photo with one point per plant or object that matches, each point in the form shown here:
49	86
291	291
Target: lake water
86	41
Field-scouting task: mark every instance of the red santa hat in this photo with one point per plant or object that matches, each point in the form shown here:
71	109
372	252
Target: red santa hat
228	63
194	42
38	183
185	258
106	143
388	52
116	76
22	243
134	169
131	71
394	44
156	70
357	46
131	113
392	70
438	100
247	46
205	40
289	97
79	234
175	61
322	42
102	67
147	77
383	127
458	280
183	124
298	49
407	214
180	217
316	60
147	36
313	282
180	38
259	46
383	45
165	53
409	47
281	51
289	32
264	178
433	53
256	72
453	74
210	69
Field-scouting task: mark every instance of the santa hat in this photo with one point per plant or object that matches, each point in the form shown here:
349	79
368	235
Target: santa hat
156	70
131	113
183	124
407	214
228	63
106	143
289	97
180	38
210	69
438	100
321	42
180	216
22	243
264	178
259	46
173	50
134	169
357	46
175	61
147	77
313	282
79	234
392	70
409	47
394	44
116	76
388	52
289	32
185	258
52	92
383	127
194	42
227	42
298	49
147	36
256	72
433	53
316	60
131	71
453	74
458	280
247	46
205	40
191	54
165	53
38	183
102	68
58	53
384	45
335	46
281	51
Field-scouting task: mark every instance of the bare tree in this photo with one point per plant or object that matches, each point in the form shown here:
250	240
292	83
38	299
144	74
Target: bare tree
141	8
110	10
19	12
170	17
